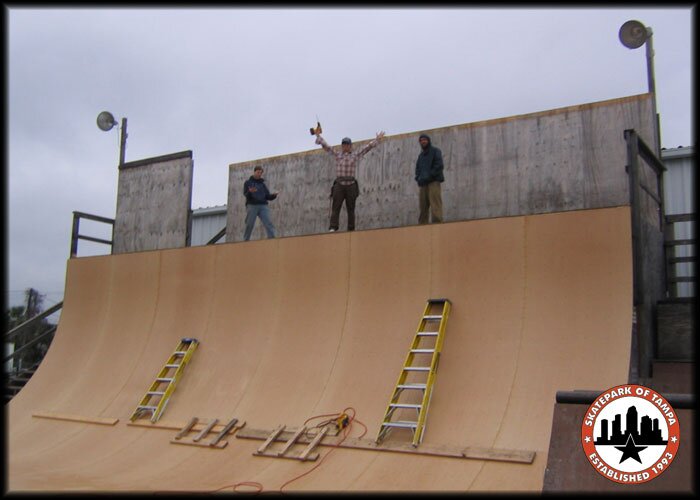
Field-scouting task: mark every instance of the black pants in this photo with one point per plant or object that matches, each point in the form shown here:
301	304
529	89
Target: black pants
349	194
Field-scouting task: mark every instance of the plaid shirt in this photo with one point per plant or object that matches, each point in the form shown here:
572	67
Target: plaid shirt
346	163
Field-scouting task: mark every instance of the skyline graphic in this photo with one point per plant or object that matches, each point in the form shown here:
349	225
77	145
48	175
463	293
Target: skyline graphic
644	431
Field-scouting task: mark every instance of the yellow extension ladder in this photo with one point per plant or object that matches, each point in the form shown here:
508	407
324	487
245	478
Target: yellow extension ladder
431	326
164	384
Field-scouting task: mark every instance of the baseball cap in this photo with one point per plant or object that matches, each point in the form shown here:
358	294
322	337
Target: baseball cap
346	140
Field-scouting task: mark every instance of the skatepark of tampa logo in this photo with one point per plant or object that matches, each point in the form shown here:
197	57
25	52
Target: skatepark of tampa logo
630	434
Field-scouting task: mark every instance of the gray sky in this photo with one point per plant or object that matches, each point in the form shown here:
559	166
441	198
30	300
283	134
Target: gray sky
237	84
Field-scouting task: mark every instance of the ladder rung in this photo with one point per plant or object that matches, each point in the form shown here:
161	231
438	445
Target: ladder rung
417	368
405	405
172	365
180	353
147	408
155	393
408	425
164	379
411	386
427	334
422	350
433	316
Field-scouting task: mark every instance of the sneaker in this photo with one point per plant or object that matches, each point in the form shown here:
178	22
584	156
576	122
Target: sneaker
332	230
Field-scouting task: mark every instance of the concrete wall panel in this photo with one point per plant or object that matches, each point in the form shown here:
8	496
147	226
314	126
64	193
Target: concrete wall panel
558	160
153	204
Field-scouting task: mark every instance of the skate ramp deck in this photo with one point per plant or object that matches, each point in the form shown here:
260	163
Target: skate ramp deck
301	326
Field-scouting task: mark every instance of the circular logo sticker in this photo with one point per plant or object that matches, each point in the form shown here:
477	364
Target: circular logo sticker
630	434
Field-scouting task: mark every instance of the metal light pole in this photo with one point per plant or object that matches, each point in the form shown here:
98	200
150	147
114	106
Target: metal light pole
105	121
122	143
633	35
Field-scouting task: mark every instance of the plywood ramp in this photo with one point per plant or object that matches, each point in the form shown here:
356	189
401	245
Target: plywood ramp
295	327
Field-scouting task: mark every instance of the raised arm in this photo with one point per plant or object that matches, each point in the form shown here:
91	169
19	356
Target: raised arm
371	144
320	140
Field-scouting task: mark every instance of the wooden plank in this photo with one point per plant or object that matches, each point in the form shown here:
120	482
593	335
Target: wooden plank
219	445
76	418
680	218
176	426
470	452
271	438
206	430
676	260
185	430
284	436
232	423
499	455
315	442
687	241
311	458
682	279
292	440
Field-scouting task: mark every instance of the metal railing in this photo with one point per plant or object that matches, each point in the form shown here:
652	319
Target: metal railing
29	324
75	235
217	237
671	245
33	321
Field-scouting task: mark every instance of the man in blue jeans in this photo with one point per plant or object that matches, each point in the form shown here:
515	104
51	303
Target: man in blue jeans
256	198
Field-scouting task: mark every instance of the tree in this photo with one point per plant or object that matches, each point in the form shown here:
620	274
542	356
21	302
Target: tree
17	315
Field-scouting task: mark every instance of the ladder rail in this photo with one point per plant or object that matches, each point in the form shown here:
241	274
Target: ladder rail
427	396
407	362
184	351
165	399
438	334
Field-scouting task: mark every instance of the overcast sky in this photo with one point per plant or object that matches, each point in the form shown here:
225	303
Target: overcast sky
234	84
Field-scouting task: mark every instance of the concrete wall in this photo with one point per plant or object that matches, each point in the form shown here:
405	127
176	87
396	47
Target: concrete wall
153	203
563	159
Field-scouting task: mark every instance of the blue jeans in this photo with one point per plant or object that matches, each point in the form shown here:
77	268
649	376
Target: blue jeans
255	211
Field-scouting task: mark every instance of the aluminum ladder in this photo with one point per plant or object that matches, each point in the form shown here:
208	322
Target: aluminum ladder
420	372
164	384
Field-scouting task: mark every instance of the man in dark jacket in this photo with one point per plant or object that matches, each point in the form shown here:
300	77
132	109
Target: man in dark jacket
256	198
429	175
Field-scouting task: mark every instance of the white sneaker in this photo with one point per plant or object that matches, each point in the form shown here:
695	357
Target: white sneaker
331	230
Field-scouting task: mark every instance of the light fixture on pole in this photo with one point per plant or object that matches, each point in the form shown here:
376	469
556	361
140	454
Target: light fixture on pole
105	121
633	35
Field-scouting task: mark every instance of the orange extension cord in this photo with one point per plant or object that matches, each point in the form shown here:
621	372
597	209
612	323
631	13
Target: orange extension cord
333	417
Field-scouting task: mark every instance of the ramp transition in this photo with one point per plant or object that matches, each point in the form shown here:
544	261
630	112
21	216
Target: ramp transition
296	327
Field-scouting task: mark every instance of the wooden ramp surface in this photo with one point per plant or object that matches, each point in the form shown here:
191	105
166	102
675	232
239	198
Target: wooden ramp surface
296	327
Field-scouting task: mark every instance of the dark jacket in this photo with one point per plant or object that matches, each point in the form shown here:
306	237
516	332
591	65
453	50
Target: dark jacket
256	192
429	165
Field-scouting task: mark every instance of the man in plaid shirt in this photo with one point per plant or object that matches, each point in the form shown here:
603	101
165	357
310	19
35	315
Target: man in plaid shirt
345	186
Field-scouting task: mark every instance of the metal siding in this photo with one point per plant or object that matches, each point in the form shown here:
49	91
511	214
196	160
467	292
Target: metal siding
206	223
679	181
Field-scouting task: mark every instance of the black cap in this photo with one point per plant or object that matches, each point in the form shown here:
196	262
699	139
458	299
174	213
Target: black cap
346	140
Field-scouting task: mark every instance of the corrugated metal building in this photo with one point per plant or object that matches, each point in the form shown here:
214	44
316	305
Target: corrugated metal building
206	223
679	181
679	194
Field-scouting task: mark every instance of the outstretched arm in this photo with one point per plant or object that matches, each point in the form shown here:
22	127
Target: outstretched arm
372	143
320	140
